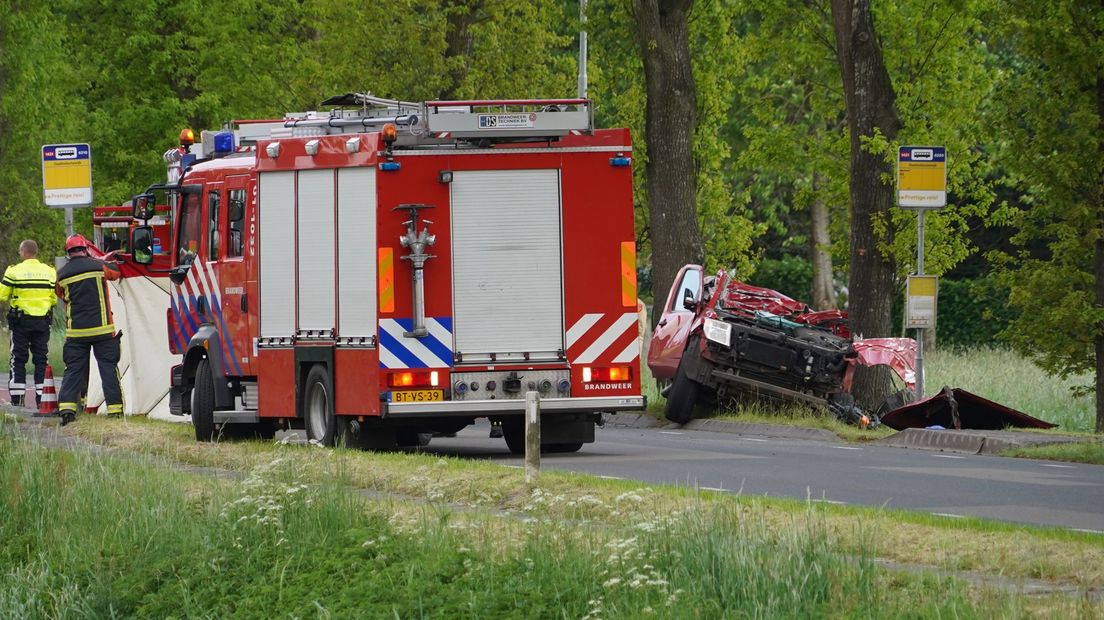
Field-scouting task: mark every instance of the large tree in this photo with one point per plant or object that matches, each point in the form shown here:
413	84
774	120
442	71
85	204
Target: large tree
670	119
1051	116
36	108
871	113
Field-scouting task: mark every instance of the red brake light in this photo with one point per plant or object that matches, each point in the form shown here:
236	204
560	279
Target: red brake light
620	373
419	378
616	374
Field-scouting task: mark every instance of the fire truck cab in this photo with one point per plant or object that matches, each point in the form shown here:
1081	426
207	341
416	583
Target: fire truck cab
389	270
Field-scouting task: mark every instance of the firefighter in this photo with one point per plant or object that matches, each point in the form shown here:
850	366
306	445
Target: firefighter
28	288
89	327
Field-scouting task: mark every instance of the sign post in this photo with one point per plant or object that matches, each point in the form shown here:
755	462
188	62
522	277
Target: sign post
67	178
921	185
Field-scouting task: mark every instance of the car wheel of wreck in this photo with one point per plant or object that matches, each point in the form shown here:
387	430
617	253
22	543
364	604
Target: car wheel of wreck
683	395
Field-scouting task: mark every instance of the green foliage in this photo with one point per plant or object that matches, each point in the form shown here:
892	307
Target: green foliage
942	68
789	275
972	313
787	121
127	76
617	85
36	108
1006	377
1047	112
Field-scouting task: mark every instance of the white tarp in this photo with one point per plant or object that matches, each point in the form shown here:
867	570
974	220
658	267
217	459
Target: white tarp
139	306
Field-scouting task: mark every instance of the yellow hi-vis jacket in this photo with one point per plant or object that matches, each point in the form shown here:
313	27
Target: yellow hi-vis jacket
29	287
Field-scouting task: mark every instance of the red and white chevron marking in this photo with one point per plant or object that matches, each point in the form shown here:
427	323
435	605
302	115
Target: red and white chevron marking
610	338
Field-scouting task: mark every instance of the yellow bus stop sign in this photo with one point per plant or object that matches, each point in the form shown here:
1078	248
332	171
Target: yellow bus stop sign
922	176
920	306
67	175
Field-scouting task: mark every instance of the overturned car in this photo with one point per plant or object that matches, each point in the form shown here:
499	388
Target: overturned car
720	339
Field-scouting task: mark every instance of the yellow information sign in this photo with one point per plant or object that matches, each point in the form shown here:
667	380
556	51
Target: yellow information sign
922	176
922	294
67	175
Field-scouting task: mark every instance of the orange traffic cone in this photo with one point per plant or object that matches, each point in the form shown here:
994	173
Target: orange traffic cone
49	403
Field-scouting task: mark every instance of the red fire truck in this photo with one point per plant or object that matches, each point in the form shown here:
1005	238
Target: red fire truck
389	269
111	227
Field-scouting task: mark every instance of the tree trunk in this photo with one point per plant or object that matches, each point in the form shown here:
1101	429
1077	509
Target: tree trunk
460	16
820	252
670	119
871	108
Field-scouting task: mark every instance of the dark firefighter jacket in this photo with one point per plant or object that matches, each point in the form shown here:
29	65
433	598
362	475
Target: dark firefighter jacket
82	283
29	287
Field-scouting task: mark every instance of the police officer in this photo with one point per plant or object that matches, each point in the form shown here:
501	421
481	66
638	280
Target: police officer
28	288
89	328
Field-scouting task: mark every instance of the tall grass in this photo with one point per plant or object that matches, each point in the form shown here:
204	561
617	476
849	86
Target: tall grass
91	535
1008	378
57	341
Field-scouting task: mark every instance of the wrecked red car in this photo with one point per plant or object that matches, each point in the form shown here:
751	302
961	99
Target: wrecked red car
721	339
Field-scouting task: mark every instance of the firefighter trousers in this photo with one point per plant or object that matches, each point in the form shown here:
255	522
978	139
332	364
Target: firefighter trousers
78	353
28	334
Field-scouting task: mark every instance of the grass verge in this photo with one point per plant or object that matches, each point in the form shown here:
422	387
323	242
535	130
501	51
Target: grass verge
1005	549
124	533
1082	452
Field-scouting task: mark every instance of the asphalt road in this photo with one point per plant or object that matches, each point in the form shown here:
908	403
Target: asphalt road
1006	489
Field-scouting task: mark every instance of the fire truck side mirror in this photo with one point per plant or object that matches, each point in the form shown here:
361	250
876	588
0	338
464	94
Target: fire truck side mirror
141	244
144	205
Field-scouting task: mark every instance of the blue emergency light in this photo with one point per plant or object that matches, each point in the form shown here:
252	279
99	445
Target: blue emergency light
620	161
224	142
389	166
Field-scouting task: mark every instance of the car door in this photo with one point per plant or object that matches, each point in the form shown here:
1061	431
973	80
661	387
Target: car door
669	337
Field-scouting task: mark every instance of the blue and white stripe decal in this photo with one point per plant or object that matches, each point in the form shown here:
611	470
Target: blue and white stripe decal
431	351
201	281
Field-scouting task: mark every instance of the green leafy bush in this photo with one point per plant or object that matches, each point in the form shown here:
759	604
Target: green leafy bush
789	275
972	312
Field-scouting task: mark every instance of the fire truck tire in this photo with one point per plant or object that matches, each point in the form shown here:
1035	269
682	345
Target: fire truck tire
683	396
513	431
203	402
318	406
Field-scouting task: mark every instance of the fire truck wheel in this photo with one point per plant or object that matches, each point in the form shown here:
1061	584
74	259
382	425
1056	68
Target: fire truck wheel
513	431
203	402
684	392
318	407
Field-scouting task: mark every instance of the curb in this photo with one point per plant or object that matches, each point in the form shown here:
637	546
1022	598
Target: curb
775	431
632	420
